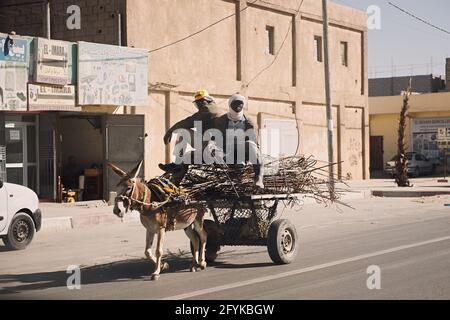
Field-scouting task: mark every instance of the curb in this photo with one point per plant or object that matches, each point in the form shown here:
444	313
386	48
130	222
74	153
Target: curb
408	194
56	224
87	220
69	223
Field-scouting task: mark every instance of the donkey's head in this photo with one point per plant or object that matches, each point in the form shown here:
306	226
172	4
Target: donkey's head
126	188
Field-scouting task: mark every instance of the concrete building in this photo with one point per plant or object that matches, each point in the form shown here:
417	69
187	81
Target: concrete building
428	112
394	86
268	50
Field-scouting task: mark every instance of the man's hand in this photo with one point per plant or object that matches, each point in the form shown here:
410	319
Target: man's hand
167	138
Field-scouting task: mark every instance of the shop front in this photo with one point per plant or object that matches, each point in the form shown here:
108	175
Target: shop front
49	142
424	137
54	152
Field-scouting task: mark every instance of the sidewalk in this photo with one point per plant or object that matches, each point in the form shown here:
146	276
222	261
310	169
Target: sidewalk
63	216
60	217
421	187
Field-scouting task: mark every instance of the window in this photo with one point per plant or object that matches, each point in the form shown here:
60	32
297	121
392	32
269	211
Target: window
344	54
318	48
420	157
270	40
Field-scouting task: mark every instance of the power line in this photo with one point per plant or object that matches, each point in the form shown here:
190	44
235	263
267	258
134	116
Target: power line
201	30
419	19
21	4
279	50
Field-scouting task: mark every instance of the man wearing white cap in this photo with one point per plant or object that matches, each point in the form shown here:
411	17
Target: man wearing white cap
240	136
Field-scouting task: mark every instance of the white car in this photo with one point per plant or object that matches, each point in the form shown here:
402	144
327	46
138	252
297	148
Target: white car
20	216
417	164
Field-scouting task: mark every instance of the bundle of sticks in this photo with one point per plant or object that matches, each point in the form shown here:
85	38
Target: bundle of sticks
289	175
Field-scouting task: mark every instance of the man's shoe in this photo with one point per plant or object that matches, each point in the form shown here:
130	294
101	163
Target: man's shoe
167	167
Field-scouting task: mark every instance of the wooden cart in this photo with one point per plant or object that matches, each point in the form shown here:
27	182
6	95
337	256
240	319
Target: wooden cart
251	221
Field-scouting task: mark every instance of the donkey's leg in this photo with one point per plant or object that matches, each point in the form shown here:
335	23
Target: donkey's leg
192	235
148	246
159	253
203	236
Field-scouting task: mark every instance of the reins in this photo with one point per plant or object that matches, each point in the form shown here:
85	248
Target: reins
143	201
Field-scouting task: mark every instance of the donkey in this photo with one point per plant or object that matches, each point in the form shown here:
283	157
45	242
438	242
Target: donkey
133	194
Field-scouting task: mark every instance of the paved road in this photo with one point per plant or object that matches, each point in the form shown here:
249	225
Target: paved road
409	239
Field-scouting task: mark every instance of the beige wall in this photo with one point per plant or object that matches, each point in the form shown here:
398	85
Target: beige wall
154	125
152	24
230	57
314	132
281	72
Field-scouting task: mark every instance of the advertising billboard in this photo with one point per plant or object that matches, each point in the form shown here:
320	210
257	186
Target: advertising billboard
112	75
425	135
13	73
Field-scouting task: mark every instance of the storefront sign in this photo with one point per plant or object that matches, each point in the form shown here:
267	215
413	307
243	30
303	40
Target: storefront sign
112	75
13	73
426	133
443	138
46	97
52	62
14	135
13	49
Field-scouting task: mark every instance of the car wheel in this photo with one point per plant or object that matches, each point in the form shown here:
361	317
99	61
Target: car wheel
20	233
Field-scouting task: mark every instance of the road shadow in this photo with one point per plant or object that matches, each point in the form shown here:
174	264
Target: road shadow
224	258
226	265
120	271
4	248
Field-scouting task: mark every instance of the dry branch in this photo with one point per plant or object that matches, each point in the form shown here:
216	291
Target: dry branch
290	175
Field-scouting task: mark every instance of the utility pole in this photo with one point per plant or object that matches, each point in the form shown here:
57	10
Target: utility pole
328	95
49	32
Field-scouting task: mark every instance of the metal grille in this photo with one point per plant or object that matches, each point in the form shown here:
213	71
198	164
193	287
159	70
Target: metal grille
3	163
244	223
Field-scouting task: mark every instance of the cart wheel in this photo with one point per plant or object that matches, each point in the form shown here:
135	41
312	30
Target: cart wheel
282	242
212	246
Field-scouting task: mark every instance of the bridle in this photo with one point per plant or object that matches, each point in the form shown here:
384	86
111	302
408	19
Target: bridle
134	200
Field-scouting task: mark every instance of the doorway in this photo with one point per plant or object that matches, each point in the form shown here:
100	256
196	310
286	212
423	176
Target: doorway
376	155
21	156
80	160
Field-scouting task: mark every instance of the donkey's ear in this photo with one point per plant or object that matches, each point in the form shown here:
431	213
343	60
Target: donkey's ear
117	170
136	170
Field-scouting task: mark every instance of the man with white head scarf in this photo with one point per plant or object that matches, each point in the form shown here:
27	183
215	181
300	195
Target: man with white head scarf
241	143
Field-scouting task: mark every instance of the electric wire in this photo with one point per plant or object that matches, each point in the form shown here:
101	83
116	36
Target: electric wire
418	18
201	30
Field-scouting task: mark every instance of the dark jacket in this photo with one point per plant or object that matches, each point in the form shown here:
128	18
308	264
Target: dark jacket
206	115
221	123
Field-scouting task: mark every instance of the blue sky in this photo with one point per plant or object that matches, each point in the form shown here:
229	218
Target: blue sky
410	45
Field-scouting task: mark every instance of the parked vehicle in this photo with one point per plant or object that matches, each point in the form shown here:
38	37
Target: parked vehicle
417	164
20	216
